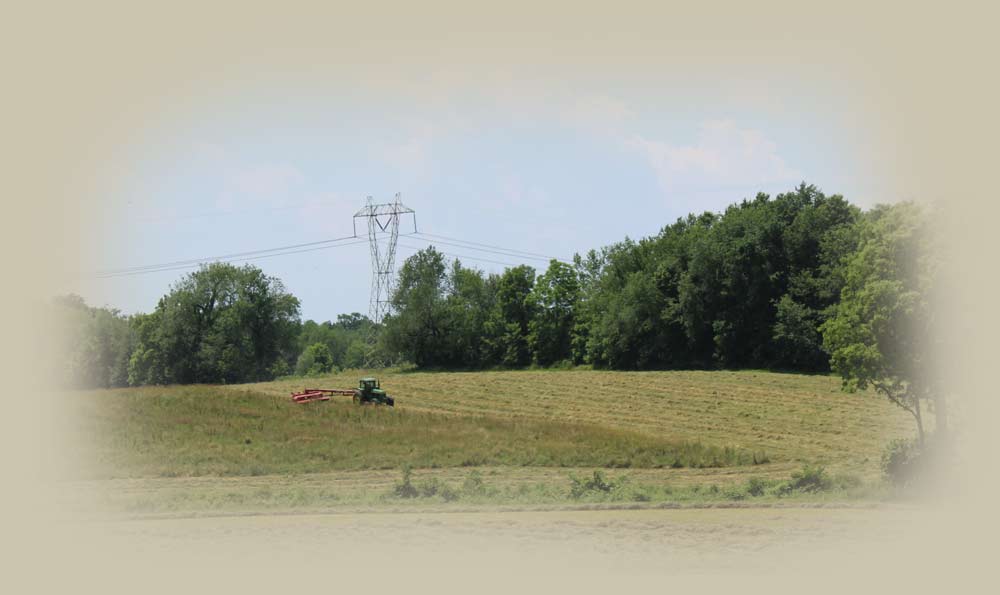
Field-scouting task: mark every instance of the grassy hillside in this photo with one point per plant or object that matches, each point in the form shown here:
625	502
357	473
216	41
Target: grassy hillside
791	417
205	430
520	418
488	437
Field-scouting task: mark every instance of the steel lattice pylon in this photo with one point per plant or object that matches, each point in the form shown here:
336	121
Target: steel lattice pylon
383	224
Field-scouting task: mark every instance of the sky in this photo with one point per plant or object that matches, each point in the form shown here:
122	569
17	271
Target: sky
522	161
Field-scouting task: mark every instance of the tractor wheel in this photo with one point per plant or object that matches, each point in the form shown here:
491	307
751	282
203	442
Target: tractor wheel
357	399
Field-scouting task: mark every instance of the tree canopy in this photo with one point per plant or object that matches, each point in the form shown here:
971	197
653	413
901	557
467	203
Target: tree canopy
881	333
749	287
221	323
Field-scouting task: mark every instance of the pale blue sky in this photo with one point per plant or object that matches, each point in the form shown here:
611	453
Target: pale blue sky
531	165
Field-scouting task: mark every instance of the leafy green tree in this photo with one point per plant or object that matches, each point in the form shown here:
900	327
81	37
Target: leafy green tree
419	327
98	344
469	300
148	362
337	336
881	333
505	329
553	300
315	359
354	357
796	336
221	323
354	321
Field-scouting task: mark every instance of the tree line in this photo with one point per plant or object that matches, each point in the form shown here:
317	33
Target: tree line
219	324
750	287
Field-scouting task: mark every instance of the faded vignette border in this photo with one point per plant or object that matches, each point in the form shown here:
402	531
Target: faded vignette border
89	84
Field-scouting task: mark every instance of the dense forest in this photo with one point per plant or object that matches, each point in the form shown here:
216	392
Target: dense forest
781	282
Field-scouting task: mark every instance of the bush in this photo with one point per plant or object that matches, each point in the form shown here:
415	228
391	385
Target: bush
406	489
426	489
354	357
473	484
315	359
280	368
735	492
756	487
595	484
641	494
810	479
448	493
901	462
429	488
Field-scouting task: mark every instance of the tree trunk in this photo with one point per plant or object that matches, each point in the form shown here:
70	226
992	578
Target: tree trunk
920	421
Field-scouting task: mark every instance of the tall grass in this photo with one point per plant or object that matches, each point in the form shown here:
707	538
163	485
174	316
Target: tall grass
203	430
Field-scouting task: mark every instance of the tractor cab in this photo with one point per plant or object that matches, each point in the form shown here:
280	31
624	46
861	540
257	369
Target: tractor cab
370	391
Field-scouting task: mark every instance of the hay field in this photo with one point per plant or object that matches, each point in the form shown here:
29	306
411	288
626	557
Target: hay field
791	417
482	438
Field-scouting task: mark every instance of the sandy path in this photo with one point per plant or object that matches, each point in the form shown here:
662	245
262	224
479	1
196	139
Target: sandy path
609	551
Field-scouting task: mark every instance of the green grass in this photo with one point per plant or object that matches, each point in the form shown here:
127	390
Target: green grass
204	430
467	489
794	418
661	438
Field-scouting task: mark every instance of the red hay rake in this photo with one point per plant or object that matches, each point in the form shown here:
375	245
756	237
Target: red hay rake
310	395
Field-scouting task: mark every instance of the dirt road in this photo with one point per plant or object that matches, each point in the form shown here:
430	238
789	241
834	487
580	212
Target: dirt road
607	551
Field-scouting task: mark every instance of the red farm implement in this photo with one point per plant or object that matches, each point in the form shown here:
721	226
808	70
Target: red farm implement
319	394
369	392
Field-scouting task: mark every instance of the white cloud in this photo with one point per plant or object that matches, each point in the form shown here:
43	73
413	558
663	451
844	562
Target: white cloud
723	155
276	187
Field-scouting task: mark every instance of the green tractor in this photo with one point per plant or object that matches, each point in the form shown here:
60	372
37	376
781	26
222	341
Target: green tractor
369	391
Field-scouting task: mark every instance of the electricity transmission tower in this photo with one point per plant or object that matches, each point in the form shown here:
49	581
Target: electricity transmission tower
383	223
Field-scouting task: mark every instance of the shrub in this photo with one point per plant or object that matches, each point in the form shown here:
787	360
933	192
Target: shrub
429	488
596	483
901	462
406	489
473	484
641	494
756	487
735	492
448	493
315	359
811	478
280	368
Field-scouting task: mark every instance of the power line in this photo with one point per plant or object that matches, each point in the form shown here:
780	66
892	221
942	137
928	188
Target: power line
487	250
206	261
514	252
509	264
326	244
222	257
